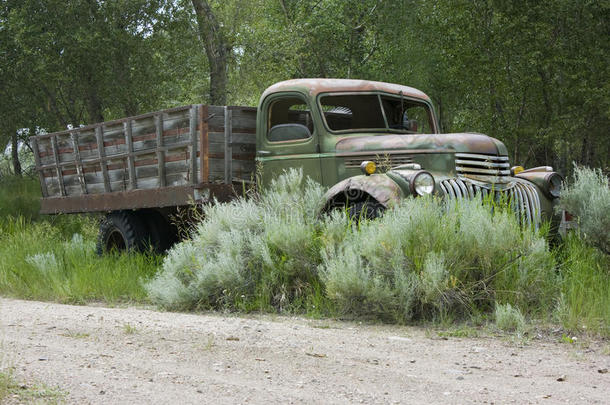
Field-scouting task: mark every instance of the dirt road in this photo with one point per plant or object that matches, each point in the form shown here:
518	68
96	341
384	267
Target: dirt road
128	355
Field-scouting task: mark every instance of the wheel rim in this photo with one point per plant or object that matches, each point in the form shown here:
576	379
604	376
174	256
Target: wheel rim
115	241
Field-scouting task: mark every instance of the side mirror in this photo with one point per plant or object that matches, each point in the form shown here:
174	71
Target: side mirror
288	132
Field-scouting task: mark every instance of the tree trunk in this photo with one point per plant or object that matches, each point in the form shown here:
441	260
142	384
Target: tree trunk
216	49
15	154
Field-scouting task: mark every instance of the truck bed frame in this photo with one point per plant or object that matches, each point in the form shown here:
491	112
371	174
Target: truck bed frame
161	159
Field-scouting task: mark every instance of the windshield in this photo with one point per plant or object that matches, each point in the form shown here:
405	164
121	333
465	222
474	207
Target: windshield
375	112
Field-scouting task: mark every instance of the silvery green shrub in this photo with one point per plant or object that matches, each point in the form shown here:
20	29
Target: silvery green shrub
587	197
509	318
423	258
266	245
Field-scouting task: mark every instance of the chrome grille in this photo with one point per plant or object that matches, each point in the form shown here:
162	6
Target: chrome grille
481	165
523	198
392	159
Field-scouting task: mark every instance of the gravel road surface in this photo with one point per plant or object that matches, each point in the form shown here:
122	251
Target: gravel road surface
103	355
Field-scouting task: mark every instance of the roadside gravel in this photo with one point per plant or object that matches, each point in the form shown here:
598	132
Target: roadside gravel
132	355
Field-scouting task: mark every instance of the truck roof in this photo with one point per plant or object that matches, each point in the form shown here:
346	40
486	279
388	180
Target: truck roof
316	86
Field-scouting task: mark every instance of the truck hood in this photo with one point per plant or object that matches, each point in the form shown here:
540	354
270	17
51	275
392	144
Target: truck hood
424	143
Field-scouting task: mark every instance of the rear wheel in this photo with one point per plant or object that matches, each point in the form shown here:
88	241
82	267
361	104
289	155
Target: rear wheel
121	231
161	233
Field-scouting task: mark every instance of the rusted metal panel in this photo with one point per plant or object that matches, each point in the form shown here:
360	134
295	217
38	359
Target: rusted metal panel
314	87
378	186
136	199
463	142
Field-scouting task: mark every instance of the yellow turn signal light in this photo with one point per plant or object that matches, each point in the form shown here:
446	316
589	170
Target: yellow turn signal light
516	170
368	167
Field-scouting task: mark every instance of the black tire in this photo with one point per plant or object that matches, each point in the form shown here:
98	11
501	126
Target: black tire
161	233
368	209
121	231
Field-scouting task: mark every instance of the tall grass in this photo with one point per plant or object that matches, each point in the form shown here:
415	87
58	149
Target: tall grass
585	286
53	257
421	259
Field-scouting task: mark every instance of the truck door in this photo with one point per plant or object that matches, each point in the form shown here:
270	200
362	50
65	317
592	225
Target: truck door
287	137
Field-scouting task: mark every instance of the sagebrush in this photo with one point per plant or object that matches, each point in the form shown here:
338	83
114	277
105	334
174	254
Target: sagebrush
587	196
421	259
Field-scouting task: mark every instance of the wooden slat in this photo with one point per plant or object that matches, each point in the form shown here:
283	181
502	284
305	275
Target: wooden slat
60	179
133	181
160	152
193	135
124	155
228	146
101	151
43	182
79	163
204	142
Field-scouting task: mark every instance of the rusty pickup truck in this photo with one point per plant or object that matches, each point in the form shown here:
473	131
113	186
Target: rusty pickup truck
370	143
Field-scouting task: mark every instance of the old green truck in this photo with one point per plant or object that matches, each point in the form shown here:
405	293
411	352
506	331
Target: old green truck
370	143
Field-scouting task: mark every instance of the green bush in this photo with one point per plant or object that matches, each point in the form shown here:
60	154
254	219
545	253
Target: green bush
259	253
426	260
588	198
421	259
509	318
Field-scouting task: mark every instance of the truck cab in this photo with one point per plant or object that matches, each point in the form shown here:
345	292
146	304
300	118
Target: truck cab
380	142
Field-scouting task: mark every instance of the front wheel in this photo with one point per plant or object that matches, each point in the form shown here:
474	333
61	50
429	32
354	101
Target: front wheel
121	231
369	209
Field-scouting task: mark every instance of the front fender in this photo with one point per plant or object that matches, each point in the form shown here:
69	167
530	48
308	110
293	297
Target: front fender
358	188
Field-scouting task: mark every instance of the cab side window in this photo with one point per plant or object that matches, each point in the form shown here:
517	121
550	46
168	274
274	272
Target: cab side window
289	120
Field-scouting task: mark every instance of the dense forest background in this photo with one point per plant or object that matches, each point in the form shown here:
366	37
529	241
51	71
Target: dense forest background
533	74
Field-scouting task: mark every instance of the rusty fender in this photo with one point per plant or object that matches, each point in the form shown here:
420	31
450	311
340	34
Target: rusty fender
377	186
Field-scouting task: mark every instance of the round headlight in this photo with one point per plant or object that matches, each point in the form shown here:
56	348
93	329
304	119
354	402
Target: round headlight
368	167
422	183
554	182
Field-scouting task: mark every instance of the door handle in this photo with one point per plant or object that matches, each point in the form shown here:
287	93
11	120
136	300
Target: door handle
263	153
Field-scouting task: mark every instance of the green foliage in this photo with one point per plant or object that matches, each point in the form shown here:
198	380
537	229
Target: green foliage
509	318
426	260
19	196
56	260
420	260
248	254
73	62
584	303
588	198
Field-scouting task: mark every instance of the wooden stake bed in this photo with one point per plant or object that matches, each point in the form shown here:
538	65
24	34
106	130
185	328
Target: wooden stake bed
160	159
